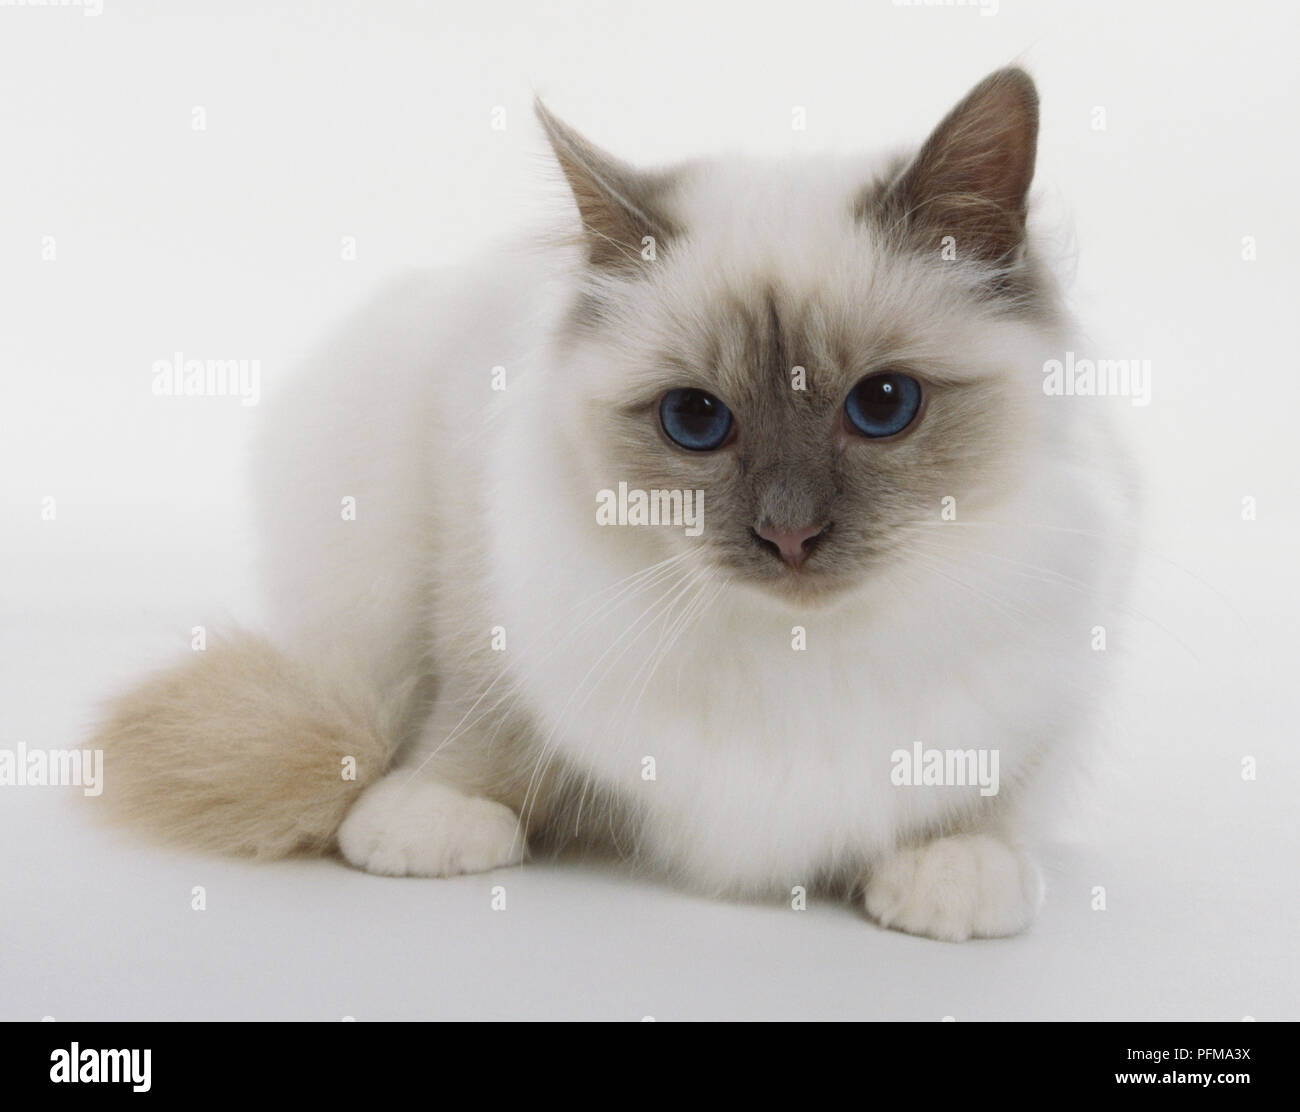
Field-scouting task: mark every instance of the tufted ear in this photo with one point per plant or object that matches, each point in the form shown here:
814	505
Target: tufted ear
619	205
971	178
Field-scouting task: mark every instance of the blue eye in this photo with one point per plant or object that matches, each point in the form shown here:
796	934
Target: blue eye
695	420
882	405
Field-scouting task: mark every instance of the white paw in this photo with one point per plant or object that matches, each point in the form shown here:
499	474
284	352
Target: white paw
968	885
413	826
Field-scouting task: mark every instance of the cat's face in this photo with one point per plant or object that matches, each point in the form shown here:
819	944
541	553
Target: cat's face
795	362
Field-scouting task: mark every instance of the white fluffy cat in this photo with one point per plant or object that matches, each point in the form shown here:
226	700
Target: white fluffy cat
901	540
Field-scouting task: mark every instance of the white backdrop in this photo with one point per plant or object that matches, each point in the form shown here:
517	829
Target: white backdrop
128	233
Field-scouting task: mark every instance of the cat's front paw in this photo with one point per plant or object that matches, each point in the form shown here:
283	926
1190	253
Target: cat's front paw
409	826
955	888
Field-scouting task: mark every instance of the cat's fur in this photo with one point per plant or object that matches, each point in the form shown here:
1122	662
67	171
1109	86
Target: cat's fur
536	675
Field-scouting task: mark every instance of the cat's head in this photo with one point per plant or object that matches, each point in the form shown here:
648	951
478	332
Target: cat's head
828	351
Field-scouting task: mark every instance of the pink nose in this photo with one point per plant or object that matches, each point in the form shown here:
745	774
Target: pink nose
793	544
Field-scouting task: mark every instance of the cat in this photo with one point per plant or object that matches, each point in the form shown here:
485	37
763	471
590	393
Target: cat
902	546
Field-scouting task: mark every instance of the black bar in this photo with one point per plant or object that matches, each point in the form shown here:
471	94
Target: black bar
336	1060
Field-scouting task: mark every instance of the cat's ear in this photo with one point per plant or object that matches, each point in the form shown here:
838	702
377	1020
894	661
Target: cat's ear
971	178
619	205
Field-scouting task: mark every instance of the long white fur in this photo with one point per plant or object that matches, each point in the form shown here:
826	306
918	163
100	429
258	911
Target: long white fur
771	766
471	517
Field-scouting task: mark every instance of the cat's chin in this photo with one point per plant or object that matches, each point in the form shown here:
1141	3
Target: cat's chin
804	589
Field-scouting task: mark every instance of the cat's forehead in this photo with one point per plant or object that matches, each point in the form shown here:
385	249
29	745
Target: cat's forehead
822	317
767	335
774	276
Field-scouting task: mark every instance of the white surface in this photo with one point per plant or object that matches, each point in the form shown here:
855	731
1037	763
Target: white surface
225	244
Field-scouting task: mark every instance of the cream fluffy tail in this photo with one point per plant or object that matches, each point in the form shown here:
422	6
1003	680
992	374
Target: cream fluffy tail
243	751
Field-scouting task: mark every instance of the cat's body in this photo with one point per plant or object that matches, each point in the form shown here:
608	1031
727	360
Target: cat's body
722	708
